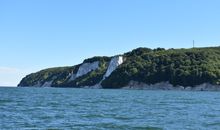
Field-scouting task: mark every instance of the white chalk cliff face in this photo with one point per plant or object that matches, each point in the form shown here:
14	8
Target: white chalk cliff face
47	84
84	69
114	63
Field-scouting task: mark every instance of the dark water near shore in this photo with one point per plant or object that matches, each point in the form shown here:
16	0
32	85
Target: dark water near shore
50	108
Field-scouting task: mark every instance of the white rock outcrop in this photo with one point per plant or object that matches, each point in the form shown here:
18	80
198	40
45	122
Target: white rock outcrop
47	84
72	76
114	63
86	68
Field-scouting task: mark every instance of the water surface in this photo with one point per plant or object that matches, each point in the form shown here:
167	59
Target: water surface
55	108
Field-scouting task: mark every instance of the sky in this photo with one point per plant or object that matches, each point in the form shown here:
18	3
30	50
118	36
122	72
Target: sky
38	34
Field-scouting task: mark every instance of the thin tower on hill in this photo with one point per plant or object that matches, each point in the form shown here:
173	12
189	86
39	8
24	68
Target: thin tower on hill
193	44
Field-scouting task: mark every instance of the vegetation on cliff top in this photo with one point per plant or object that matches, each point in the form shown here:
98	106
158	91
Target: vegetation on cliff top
184	67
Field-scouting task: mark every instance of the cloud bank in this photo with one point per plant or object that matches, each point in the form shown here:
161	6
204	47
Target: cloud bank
10	76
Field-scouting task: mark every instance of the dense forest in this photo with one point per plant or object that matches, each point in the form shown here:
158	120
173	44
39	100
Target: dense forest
179	67
185	67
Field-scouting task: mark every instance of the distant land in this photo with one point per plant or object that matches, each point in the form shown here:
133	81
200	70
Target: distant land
142	68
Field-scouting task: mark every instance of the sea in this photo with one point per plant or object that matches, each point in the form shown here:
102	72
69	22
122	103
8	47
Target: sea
107	109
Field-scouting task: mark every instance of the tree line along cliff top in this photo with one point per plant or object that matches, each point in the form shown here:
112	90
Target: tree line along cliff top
179	67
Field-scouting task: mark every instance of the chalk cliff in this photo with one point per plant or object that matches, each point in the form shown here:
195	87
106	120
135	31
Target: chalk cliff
143	68
114	63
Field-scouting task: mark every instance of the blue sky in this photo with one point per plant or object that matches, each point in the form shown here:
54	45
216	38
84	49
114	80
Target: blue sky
37	34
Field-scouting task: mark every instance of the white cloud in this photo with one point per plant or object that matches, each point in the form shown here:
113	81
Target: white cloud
10	76
8	70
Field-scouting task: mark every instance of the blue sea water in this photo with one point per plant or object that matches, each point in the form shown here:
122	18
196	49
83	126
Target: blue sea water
96	109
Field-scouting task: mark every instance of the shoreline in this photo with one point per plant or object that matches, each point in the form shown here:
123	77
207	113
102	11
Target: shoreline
167	86
134	85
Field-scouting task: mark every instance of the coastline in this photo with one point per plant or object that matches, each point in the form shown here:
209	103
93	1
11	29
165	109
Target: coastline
168	86
134	85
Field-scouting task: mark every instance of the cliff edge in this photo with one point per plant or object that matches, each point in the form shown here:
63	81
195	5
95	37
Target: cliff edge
142	67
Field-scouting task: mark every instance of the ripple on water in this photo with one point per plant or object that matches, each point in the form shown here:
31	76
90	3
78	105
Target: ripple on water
4	101
48	108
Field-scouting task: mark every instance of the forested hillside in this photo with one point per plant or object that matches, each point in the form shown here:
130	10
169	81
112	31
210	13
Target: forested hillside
179	67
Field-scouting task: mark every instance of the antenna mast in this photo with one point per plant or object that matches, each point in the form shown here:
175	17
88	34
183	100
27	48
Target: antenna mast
193	44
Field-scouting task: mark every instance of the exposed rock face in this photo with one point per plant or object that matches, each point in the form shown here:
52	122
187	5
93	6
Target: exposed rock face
97	86
72	76
150	67
114	63
168	86
157	86
86	68
206	87
37	85
47	84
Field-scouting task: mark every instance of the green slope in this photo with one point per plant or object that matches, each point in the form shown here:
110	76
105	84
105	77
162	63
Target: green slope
184	67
